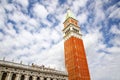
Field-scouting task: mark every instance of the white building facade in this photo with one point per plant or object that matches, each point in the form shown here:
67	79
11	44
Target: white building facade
15	71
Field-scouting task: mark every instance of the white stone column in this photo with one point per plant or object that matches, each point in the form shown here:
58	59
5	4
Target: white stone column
34	77
1	73
18	76
9	76
48	78
54	79
41	78
26	77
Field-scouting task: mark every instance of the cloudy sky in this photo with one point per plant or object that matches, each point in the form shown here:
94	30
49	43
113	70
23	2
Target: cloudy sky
31	32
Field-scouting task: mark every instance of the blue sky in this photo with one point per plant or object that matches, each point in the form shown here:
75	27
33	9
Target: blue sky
31	32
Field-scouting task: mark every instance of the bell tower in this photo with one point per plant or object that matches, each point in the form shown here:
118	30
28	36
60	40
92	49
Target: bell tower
75	57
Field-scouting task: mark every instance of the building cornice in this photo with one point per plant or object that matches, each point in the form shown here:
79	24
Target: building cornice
31	68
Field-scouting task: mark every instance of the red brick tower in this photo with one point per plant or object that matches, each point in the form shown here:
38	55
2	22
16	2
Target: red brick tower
75	58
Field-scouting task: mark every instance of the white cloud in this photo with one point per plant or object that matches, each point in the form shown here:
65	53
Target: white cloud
53	56
40	11
10	31
82	18
101	61
3	17
115	39
77	4
33	22
99	12
9	7
55	36
114	11
24	3
1	36
18	17
93	38
115	30
51	8
37	46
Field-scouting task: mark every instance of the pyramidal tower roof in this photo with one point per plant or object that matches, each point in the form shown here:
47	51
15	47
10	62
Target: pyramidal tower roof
70	14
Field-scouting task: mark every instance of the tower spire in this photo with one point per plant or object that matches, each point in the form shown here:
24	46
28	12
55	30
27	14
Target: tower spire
69	14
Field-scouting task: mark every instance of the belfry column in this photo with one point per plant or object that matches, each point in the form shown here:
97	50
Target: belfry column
1	73
26	77
9	75
17	76
34	77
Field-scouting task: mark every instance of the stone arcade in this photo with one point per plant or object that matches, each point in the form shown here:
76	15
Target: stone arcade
15	71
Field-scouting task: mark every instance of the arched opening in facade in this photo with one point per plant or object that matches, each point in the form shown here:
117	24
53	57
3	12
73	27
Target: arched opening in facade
51	79
30	78
13	77
45	78
4	76
38	78
22	77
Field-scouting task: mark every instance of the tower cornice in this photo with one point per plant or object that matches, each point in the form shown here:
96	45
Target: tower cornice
69	18
70	26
